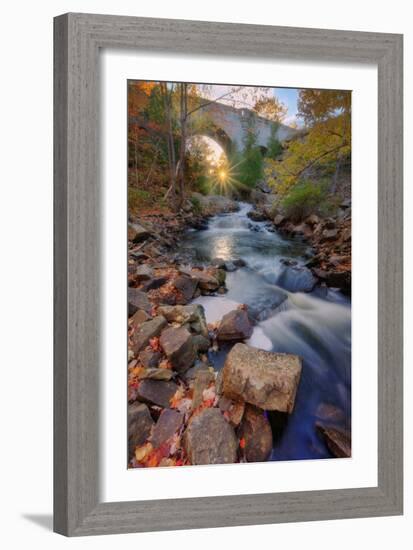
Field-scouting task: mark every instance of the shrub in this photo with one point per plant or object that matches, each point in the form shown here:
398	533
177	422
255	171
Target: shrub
306	198
138	198
196	203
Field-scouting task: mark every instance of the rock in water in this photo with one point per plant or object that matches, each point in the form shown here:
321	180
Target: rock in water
137	300
337	441
256	432
297	279
146	331
209	439
139	425
235	325
178	346
156	392
263	378
168	424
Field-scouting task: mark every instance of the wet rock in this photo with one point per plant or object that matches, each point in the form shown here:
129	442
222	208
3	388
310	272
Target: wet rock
187	286
256	432
339	279
139	426
137	300
239	262
218	262
178	346
146	331
201	343
337	441
235	325
230	266
156	392
203	379
209	439
256	216
137	233
288	262
206	281
297	279
139	317
143	273
279	220
149	358
220	276
169	422
262	378
154	283
232	410
193	314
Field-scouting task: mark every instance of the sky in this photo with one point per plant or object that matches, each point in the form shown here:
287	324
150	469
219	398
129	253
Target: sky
247	95
288	96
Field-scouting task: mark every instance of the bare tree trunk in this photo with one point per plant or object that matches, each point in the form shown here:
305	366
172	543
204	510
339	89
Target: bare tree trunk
183	124
170	143
335	177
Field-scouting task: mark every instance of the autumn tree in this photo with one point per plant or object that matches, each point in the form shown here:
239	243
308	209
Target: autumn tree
325	140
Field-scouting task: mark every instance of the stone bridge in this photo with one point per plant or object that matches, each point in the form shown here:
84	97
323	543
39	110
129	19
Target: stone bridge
230	125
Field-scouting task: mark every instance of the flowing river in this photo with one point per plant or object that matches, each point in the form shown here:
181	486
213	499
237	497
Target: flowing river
315	325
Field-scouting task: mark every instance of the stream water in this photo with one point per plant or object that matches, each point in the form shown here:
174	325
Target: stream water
315	325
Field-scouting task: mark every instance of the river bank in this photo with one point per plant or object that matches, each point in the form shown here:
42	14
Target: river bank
193	295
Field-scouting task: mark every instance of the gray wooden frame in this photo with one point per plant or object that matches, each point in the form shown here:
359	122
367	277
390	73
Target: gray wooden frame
78	39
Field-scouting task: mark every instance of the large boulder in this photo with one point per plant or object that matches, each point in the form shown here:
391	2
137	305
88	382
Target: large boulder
209	439
193	314
156	392
265	379
137	233
137	300
255	431
169	422
235	325
139	425
297	279
146	331
178	346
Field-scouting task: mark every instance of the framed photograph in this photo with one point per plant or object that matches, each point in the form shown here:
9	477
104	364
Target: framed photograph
228	274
